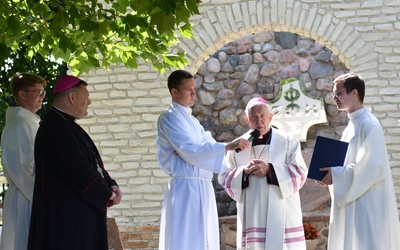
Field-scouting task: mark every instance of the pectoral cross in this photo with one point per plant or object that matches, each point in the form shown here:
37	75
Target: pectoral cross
100	170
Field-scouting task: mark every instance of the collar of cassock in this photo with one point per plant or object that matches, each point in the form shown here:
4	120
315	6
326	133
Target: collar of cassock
266	139
64	115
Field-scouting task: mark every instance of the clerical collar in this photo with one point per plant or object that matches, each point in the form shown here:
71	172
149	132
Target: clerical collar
184	108
266	139
357	113
64	115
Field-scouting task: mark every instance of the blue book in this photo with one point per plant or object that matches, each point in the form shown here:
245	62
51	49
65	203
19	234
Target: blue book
327	153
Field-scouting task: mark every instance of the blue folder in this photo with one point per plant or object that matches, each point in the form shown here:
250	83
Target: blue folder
327	153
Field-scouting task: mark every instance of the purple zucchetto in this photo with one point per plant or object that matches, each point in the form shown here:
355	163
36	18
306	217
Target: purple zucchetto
65	82
254	101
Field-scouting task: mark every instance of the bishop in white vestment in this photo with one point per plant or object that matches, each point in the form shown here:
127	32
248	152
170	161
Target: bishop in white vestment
269	212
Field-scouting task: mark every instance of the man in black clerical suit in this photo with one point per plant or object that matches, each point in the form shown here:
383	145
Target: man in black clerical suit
72	188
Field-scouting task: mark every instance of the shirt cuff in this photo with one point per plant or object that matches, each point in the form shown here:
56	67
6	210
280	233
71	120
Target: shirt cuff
271	176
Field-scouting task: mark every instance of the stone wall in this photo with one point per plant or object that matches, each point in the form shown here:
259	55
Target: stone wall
363	34
254	65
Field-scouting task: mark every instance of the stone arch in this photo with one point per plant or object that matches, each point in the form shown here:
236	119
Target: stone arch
223	23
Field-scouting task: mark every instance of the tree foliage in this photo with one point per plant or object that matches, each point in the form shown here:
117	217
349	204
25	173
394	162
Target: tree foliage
89	34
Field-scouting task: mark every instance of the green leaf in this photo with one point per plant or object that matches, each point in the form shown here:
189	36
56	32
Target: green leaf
121	6
36	38
102	29
133	21
79	68
186	30
60	54
193	6
182	14
4	52
131	63
43	52
48	41
88	25
74	14
84	37
164	23
57	23
94	61
153	45
63	43
33	4
13	26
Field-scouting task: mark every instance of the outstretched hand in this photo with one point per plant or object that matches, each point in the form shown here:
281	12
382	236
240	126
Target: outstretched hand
238	143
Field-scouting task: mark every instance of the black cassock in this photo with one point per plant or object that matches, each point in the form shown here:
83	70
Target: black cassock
72	188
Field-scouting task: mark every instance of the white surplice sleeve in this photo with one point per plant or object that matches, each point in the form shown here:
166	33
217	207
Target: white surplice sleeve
231	177
364	170
290	168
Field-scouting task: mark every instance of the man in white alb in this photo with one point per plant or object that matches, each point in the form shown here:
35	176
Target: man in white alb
190	156
265	180
364	212
17	157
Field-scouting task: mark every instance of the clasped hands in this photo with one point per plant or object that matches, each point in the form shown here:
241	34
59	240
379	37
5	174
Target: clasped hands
257	168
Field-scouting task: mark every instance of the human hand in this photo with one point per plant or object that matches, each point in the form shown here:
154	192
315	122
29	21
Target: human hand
261	168
257	168
110	201
249	168
117	195
327	180
238	143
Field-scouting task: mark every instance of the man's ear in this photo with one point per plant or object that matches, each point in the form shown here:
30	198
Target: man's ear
355	91
246	119
71	97
21	95
174	91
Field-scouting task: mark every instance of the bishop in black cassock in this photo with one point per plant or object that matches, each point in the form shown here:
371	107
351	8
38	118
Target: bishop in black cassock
72	188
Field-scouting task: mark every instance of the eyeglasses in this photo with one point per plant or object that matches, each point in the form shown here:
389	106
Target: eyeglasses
41	92
337	94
